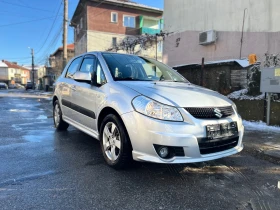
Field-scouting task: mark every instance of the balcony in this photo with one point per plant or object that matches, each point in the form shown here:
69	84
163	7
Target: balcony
145	30
150	25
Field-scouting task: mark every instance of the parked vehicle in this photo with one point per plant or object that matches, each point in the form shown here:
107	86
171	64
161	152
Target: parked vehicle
3	85
29	85
19	86
12	86
142	109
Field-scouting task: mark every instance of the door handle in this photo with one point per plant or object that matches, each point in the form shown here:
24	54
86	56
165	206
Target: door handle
73	87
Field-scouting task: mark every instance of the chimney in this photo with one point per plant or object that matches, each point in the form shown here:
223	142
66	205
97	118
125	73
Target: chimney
14	63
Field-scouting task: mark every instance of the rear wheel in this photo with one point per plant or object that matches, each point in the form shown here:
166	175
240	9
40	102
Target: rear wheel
59	123
115	143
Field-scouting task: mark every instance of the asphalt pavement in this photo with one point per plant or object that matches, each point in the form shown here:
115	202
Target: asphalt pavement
44	169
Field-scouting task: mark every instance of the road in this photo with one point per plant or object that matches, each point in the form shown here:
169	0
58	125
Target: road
44	169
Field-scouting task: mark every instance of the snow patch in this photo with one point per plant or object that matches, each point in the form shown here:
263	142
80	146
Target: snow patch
16	127
42	117
18	110
241	95
260	126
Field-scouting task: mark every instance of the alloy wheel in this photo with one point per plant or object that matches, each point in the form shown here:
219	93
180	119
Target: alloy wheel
111	141
56	115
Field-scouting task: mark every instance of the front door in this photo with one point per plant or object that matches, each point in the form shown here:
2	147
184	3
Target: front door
83	96
66	87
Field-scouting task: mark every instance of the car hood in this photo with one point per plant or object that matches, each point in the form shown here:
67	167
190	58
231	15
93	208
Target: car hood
178	94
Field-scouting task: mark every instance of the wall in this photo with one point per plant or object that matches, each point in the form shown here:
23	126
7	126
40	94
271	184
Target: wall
261	29
254	110
101	41
25	76
216	77
3	73
81	45
221	15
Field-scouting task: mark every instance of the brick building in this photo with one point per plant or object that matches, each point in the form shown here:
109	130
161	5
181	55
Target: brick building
100	25
56	59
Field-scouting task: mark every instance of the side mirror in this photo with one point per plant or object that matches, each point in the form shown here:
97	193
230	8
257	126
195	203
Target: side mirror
82	76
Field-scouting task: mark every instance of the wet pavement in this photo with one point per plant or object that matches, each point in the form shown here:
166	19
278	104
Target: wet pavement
44	169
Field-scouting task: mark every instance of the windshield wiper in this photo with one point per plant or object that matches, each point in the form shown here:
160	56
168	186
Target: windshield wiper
131	79
171	81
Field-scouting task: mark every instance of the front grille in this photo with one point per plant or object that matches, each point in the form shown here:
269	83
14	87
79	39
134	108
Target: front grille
209	112
207	146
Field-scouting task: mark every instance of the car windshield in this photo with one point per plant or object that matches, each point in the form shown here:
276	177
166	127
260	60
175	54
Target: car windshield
135	68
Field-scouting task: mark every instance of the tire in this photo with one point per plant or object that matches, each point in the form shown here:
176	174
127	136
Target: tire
117	149
59	123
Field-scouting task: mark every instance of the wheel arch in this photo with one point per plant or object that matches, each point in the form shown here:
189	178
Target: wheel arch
54	99
104	112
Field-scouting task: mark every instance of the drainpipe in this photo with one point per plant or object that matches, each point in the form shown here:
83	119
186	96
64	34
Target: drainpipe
202	73
242	33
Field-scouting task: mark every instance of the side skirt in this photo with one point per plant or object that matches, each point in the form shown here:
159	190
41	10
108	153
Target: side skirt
81	127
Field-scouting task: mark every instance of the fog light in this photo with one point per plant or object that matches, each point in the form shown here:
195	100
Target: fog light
163	152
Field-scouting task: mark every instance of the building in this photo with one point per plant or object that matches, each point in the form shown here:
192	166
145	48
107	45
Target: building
56	59
4	73
186	19
36	72
11	72
25	75
102	24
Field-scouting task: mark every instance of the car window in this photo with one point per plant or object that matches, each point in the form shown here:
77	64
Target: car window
88	64
132	67
100	76
73	67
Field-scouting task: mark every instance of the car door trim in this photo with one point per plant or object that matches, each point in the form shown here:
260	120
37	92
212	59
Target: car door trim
78	108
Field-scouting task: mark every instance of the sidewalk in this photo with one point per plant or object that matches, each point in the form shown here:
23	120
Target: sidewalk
26	93
262	139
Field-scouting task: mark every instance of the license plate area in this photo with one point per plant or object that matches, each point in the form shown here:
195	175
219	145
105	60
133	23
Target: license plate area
222	130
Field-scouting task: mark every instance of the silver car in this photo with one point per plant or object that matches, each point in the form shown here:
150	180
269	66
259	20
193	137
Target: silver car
141	109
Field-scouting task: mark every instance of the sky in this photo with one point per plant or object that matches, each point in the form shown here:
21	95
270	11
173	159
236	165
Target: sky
37	24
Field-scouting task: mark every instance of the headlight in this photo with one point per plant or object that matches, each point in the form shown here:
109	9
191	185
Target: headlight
156	110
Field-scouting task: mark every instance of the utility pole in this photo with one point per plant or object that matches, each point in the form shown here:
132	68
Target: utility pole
156	45
65	31
33	80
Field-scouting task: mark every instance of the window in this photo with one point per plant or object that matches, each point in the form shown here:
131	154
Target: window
12	70
73	67
114	41
129	21
88	64
101	79
160	45
114	17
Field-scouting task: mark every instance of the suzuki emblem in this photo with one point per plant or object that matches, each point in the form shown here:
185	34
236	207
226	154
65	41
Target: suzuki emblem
218	113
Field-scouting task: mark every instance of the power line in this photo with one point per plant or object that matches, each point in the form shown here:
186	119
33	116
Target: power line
20	5
26	21
52	43
50	29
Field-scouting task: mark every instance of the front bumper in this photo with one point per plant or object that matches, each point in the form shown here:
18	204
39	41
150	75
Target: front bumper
144	132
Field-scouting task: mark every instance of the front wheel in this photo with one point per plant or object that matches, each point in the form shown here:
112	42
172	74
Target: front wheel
59	123
115	143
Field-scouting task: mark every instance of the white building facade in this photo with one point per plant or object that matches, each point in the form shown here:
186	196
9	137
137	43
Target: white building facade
185	19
